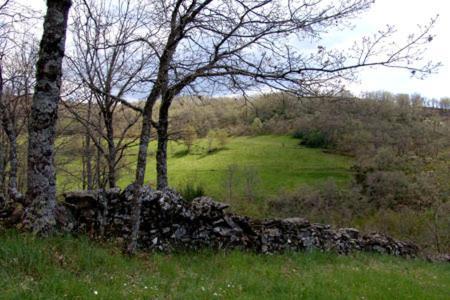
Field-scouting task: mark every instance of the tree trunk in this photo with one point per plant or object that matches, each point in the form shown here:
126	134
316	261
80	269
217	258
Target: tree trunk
98	158
161	152
10	131
140	177
88	152
41	184
111	149
160	85
161	155
9	128
12	186
2	168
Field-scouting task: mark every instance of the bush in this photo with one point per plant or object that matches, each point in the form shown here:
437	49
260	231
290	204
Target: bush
190	191
257	126
429	229
313	138
325	203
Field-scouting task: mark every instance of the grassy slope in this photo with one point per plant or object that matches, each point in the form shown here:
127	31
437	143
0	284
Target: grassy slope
71	268
278	161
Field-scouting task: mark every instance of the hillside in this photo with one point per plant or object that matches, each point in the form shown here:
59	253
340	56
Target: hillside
65	267
264	164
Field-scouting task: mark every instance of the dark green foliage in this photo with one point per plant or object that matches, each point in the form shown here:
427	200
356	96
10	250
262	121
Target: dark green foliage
313	138
190	191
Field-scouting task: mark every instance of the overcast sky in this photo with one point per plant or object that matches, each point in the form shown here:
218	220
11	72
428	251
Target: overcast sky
405	15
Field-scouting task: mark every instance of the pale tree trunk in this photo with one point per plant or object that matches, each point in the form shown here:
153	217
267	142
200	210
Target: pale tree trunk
140	176
41	177
160	85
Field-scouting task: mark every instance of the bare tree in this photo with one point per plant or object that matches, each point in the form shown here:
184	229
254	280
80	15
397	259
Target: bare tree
110	62
18	67
17	59
240	45
41	179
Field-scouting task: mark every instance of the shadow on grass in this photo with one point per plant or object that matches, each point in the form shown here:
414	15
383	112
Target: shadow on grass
181	153
212	152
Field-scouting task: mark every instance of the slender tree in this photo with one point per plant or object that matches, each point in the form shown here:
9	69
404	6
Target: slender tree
256	44
17	60
41	179
239	45
109	61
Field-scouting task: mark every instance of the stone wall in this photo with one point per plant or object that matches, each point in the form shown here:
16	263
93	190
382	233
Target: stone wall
169	223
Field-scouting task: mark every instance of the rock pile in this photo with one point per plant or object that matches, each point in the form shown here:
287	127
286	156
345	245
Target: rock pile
168	222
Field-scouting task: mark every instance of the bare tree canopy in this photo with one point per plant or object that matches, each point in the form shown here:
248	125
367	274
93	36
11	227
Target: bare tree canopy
109	68
238	45
17	60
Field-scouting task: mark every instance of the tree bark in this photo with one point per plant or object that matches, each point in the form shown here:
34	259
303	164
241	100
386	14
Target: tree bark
2	169
88	154
12	185
88	151
111	149
98	158
9	129
140	175
41	183
161	152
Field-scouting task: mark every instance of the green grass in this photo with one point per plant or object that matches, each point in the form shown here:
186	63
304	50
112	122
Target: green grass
66	267
278	162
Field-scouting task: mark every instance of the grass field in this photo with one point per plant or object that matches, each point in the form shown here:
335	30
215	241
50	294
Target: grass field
69	268
269	163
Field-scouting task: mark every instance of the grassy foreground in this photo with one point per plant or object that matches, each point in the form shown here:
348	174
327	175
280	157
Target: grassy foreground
65	267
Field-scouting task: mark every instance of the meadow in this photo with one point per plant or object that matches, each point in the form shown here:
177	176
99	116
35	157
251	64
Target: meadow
265	164
76	268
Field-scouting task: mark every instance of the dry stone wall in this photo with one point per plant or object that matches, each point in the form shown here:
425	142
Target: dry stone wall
168	223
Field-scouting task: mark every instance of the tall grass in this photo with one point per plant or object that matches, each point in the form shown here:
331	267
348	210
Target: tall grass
75	268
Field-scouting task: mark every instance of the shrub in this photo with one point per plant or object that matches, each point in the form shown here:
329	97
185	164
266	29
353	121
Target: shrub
429	229
251	180
189	136
324	203
257	126
190	191
313	138
222	137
